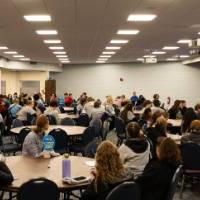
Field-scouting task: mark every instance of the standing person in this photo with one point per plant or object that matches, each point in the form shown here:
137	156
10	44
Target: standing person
174	111
54	98
10	99
109	172
155	180
134	98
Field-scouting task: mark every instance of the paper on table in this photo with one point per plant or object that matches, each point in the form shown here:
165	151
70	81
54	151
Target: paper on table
90	163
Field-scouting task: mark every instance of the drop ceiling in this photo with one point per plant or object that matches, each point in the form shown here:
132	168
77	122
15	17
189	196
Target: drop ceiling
86	27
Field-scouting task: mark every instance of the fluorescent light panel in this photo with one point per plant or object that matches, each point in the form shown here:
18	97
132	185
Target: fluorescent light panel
61	56
119	41
63	61
184	56
149	56
3	47
113	48
184	41
171	59
109	52
25	59
144	18
52	41
100	61
47	32
128	32
56	48
140	59
105	56
37	18
10	52
158	52
59	52
170	48
18	56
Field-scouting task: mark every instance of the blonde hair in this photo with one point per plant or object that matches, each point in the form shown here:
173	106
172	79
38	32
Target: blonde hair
109	100
108	164
41	124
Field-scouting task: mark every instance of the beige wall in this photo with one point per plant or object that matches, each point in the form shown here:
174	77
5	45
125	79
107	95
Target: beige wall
13	79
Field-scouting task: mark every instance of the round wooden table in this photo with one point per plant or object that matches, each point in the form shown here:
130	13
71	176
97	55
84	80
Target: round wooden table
26	168
70	130
68	109
65	115
175	122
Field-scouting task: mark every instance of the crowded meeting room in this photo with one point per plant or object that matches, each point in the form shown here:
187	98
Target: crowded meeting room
99	100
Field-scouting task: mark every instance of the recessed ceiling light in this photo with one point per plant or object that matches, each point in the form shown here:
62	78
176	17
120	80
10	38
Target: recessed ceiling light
149	56
56	48
37	18
158	52
119	41
59	52
18	56
113	48
105	56
3	47
140	59
184	56
141	18
171	59
47	32
170	48
10	52
184	41
128	32
61	56
64	61
25	59
108	52
100	61
52	41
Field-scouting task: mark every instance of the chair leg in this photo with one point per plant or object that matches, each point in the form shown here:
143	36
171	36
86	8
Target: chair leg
182	186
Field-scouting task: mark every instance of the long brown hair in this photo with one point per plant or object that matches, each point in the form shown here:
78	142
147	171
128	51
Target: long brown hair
41	124
108	164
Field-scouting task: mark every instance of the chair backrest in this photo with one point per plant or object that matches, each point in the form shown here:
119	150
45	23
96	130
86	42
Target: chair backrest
88	135
68	122
30	119
126	191
83	120
39	189
190	152
52	120
61	139
174	183
17	123
91	149
97	124
120	126
22	135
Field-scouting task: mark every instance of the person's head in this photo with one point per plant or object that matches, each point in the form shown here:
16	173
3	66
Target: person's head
9	96
177	104
53	95
36	97
133	130
161	126
42	124
109	100
195	127
29	102
53	104
90	99
197	108
147	104
147	115
183	103
134	93
66	94
123	97
168	152
70	94
156	103
189	116
109	166
83	101
97	103
16	101
155	115
129	107
156	96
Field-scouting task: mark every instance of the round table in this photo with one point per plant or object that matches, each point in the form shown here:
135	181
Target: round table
65	115
26	168
70	130
175	122
68	109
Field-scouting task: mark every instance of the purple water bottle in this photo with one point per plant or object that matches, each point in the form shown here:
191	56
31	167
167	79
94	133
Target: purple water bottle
66	168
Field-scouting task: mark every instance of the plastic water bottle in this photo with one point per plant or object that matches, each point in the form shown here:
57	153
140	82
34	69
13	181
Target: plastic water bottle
66	168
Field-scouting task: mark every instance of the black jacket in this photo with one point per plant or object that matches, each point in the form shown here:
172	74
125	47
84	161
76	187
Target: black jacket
155	180
6	176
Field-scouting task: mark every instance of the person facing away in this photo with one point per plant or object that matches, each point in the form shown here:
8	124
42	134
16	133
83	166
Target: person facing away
14	108
109	172
135	152
33	145
197	110
98	110
193	135
127	114
174	111
155	180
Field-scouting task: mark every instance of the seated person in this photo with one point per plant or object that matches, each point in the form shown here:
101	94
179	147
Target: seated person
88	107
135	152
68	99
98	110
27	109
109	172
157	175
197	110
127	114
145	120
175	110
14	108
53	110
6	176
33	145
194	133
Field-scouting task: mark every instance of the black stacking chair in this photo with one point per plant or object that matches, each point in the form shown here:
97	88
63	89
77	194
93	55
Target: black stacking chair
120	130
67	122
83	120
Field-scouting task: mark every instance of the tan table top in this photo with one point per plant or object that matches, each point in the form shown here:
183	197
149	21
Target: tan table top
70	130
175	122
176	138
25	168
68	108
65	115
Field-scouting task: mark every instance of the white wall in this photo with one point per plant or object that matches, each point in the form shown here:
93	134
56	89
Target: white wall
167	79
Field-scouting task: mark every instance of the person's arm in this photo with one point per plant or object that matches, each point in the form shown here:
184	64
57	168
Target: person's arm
6	176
